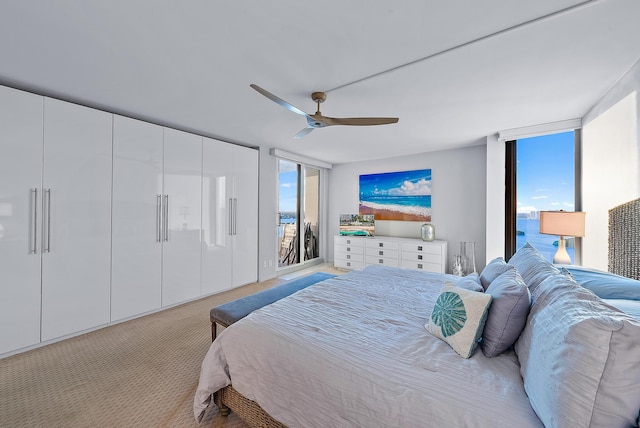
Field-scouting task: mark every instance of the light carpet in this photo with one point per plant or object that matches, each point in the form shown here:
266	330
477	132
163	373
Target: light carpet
139	373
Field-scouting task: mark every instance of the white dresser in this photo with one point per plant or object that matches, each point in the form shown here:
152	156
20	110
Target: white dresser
356	252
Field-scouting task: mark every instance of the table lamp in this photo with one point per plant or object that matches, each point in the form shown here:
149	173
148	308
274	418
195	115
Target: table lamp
562	223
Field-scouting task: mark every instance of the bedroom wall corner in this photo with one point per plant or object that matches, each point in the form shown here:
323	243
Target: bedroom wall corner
610	162
496	190
458	197
267	215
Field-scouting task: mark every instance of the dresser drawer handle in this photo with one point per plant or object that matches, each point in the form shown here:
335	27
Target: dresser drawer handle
348	241
348	263
419	247
419	265
381	253
419	256
380	244
348	256
381	261
348	248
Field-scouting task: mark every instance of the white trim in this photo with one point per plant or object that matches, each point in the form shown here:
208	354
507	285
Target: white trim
536	130
299	158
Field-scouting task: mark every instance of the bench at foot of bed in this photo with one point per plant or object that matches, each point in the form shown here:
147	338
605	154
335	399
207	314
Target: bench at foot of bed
228	313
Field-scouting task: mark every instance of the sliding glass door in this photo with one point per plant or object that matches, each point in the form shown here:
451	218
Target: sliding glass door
299	212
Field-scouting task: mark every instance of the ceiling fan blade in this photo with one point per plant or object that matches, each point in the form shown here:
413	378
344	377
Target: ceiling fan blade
278	100
304	132
359	121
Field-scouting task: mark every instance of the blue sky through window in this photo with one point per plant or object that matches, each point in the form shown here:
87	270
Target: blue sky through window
545	180
288	190
546	173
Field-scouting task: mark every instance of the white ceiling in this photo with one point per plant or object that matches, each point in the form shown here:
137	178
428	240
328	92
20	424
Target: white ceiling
453	72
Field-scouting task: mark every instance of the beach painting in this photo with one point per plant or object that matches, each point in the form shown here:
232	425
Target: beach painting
404	195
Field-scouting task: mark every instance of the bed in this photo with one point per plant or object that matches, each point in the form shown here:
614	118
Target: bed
357	351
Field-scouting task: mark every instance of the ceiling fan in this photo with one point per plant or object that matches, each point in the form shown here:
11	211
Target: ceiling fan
317	120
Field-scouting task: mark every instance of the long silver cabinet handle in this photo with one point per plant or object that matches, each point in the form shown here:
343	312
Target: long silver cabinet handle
158	218
235	216
230	216
47	244
166	218
34	231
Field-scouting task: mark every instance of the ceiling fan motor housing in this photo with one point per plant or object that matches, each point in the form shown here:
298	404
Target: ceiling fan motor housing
319	97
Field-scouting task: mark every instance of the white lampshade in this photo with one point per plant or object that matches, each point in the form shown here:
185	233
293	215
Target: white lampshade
562	223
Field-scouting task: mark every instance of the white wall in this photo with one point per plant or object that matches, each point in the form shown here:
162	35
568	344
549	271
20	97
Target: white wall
458	196
495	193
610	163
268	216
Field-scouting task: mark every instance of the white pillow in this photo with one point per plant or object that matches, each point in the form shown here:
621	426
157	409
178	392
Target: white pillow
458	318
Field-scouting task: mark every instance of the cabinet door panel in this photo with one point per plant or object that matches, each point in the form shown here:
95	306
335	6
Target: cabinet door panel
182	186
77	173
20	174
217	246
136	271
245	253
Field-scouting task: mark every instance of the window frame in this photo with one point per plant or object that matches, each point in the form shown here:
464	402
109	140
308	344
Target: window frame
511	186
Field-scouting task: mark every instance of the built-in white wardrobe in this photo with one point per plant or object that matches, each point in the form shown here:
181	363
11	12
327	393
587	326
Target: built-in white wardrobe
156	217
230	214
104	218
55	218
21	152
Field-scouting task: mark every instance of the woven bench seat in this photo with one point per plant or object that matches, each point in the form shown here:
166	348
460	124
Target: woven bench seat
228	313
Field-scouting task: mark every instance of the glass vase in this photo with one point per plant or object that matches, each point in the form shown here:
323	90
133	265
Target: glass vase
456	266
468	255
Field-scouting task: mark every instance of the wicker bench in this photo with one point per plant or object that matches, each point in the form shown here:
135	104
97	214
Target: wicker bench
228	313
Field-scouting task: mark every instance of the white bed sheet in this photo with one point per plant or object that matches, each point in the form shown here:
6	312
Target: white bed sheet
352	351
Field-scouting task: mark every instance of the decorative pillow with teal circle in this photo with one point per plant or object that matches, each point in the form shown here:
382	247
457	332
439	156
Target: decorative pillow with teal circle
458	318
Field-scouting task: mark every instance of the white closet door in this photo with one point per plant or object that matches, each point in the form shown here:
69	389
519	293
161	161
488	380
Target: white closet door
136	271
216	205
245	245
182	199
20	176
77	218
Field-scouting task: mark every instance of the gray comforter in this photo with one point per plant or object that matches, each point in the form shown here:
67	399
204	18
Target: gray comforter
352	351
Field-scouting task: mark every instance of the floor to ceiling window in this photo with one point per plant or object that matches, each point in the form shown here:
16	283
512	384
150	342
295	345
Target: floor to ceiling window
542	175
299	212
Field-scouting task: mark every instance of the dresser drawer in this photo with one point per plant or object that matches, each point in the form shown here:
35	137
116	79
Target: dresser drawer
349	256
423	248
420	257
427	267
382	244
386	261
381	252
349	240
348	264
349	249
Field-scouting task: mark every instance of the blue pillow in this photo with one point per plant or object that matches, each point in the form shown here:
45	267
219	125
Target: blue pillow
494	269
510	303
532	266
470	282
606	285
579	358
629	307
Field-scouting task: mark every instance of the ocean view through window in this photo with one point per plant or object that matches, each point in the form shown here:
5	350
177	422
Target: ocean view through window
545	181
298	213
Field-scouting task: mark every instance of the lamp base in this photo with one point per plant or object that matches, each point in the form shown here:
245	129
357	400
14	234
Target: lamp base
562	257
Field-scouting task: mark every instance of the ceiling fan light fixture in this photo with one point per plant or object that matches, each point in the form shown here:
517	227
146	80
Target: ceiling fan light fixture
318	120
